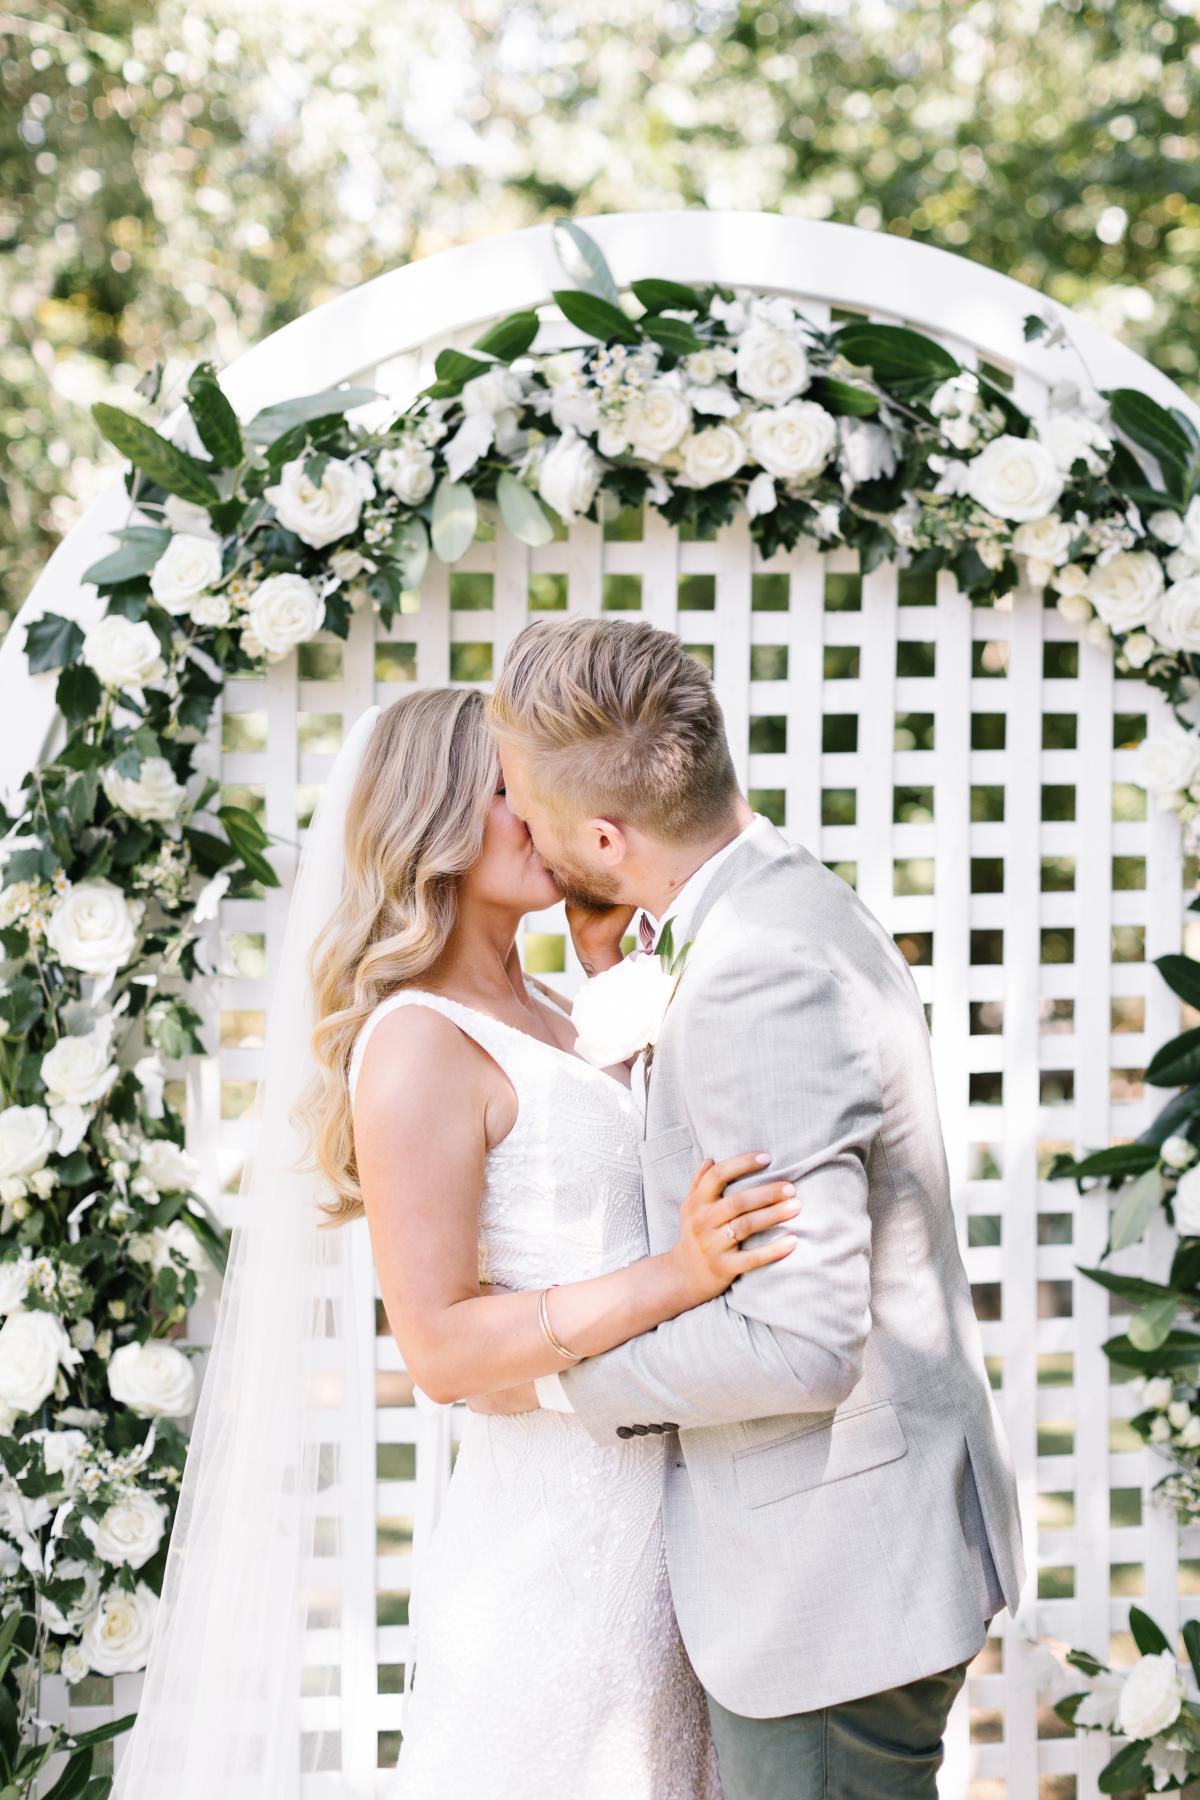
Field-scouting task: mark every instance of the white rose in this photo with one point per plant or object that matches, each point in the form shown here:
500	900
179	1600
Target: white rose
1167	527
1126	589
1072	578
177	1239
14	1282
122	653
285	610
1189	1437
79	1068
1068	436
153	793
153	1379
1169	762
656	420
167	1166
1177	1152
1181	564
32	1346
620	1011
1177	622
319	512
116	1638
74	1664
1160	1430
701	368
718	400
93	927
129	1531
568	475
72	1569
1045	539
1179	1412
1138	648
771	365
1151	1696
406	470
27	1136
211	610
1016	478
867	450
715	453
1157	1391
793	442
187	568
1186	1204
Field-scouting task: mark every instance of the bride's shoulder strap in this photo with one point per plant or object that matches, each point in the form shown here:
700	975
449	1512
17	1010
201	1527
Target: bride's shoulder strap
490	1034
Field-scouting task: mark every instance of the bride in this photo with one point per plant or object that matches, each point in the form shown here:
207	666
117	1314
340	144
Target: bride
434	1091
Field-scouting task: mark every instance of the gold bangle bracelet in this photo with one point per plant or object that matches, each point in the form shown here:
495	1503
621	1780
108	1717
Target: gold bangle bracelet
547	1332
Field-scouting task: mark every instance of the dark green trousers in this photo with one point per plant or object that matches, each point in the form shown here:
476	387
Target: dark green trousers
883	1747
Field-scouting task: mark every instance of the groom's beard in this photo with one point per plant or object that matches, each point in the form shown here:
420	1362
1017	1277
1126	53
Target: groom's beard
584	887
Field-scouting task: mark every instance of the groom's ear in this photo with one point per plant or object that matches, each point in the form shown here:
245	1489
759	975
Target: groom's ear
609	840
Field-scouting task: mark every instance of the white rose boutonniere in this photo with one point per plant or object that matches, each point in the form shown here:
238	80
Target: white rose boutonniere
620	1012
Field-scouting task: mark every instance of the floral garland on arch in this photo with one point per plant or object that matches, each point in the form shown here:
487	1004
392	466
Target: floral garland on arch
245	540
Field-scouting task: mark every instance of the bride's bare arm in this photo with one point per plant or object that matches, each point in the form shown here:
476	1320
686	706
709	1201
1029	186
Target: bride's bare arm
428	1102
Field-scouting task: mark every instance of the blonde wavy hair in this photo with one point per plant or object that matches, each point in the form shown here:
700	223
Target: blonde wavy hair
414	825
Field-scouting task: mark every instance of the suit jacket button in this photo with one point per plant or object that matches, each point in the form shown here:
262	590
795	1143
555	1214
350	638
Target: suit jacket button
670	1425
641	1430
656	1427
624	1431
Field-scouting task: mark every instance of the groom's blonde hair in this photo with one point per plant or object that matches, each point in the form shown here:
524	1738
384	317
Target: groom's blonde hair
619	722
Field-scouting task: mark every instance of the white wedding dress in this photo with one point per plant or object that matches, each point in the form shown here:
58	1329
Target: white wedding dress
547	1662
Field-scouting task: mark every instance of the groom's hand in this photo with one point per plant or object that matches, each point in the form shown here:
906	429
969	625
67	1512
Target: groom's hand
506	1400
596	933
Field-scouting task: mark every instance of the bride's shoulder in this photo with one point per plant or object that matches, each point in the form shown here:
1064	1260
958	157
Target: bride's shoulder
406	1045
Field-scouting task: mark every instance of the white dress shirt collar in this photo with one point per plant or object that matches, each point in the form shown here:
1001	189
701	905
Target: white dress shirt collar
682	910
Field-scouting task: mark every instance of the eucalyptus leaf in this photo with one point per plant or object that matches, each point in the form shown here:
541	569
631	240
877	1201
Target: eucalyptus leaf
410	552
582	259
522	511
155	456
1151	1324
272	421
1134	1208
141	547
453	520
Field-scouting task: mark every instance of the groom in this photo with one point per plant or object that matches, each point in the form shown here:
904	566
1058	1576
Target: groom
840	1512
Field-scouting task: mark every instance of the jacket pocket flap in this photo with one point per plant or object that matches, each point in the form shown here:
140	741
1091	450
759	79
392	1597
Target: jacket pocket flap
812	1458
666	1143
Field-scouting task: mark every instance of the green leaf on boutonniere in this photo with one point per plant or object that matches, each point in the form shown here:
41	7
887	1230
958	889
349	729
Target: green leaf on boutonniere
671	959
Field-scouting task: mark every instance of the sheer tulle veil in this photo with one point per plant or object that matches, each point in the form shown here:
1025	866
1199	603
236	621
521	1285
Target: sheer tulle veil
248	1678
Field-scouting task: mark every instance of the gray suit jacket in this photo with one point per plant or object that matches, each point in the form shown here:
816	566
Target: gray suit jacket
839	1470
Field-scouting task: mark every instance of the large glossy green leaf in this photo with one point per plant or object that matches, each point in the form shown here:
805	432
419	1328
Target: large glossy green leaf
657	295
273	421
842	397
522	511
1182	976
454	518
1154	429
894	352
600	318
1126	1773
1177	1062
509	338
1126	1287
214	417
163	462
1133	1209
1148	1637
675	335
141	547
582	258
457	366
1179	1350
1191	1643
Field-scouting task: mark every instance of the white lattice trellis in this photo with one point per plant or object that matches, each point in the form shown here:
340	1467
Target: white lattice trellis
969	769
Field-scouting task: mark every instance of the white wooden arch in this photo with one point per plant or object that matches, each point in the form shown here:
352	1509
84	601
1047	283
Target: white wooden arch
967	767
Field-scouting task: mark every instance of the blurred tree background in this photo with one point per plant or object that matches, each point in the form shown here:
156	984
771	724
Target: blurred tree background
179	179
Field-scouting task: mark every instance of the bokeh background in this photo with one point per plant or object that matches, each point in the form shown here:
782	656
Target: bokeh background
178	180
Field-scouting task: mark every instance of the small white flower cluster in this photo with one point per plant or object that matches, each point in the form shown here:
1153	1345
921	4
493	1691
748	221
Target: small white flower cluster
1175	1409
